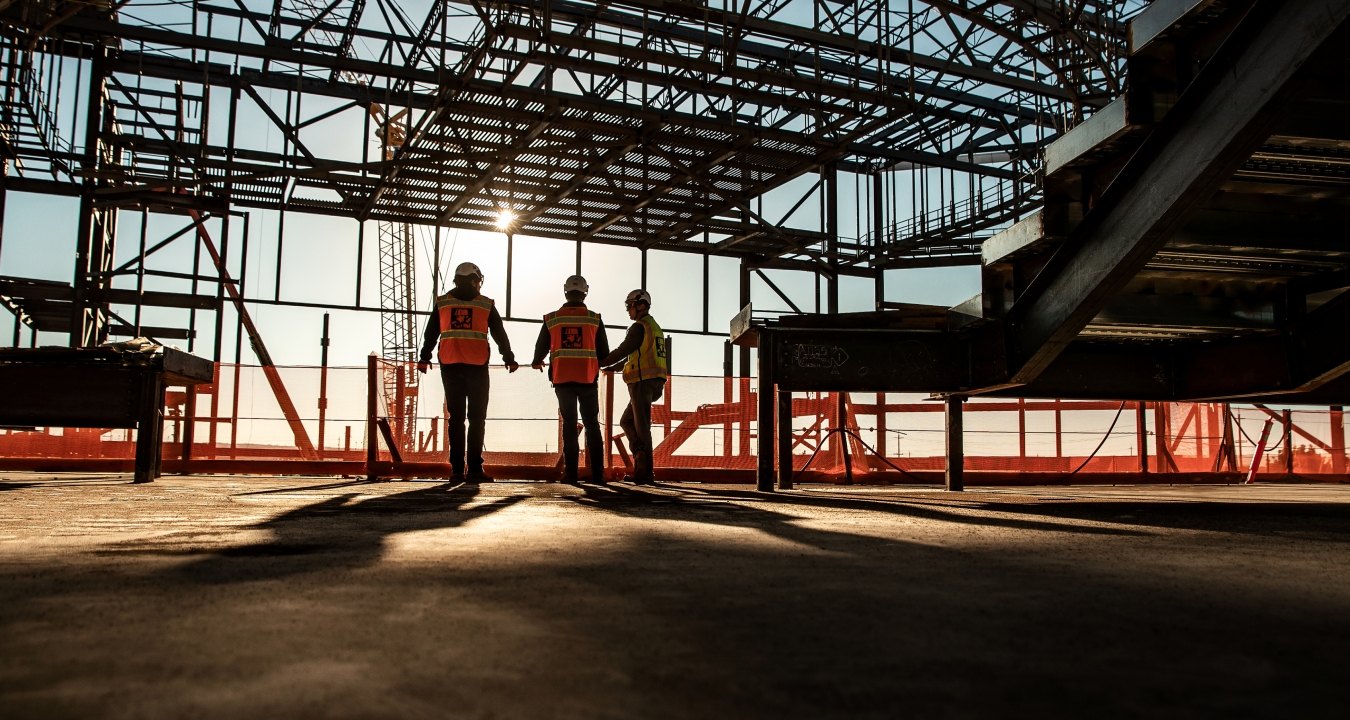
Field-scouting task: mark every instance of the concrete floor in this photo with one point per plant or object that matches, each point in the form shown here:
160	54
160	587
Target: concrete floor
273	596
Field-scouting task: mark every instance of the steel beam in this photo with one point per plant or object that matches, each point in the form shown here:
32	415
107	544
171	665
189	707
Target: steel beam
1222	117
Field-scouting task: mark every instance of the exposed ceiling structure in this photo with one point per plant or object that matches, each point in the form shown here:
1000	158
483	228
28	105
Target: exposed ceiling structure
653	124
1177	170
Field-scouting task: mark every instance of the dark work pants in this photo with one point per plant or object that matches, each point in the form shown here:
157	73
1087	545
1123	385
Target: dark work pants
637	417
466	386
571	395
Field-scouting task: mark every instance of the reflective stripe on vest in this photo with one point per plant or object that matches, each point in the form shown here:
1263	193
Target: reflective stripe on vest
649	362
464	329
571	342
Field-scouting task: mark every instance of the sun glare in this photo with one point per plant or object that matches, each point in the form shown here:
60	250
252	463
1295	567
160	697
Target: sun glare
504	218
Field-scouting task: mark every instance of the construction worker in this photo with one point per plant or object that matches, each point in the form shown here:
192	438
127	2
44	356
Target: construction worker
574	339
461	323
643	351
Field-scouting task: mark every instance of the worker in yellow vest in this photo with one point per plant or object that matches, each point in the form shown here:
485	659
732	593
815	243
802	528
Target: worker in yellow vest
643	352
574	339
463	319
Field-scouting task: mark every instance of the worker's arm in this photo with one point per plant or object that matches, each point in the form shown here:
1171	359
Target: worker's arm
499	336
429	338
601	342
631	342
541	347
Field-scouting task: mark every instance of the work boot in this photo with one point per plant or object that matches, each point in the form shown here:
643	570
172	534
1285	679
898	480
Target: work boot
595	462
642	469
569	476
478	476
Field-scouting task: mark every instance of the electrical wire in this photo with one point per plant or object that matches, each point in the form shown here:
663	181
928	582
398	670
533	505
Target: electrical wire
1105	437
1253	442
912	476
846	431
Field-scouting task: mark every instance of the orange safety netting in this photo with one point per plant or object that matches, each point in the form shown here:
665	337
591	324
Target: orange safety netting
702	423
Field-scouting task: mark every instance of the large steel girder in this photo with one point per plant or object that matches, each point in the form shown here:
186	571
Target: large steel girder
1307	365
1216	125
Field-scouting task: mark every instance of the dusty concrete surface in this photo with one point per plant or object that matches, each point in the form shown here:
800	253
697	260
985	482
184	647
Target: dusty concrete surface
212	597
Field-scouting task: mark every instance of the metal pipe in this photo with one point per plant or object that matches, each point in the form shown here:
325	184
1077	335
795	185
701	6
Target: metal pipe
323	385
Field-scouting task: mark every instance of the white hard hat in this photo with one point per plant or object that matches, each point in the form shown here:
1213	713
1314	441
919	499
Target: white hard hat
466	269
576	283
638	296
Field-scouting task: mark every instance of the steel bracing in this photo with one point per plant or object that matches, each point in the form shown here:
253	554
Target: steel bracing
652	124
1191	242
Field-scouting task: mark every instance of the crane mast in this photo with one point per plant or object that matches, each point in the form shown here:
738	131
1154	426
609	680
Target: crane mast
398	301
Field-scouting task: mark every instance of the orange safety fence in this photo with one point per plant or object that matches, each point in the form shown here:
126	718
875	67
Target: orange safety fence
704	427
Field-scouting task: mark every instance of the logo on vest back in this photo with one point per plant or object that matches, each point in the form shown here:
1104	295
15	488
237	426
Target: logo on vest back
461	318
571	338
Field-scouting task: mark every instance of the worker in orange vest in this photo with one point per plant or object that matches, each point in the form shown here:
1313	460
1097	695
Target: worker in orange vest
645	369
574	339
461	324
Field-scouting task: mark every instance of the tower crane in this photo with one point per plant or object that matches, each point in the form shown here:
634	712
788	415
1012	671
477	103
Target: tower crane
398	298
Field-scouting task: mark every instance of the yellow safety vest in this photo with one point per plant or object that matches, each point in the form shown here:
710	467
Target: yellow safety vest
649	362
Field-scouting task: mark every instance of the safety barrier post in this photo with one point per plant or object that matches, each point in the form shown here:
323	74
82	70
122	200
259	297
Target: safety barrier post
1022	431
1337	439
727	398
1287	421
234	411
1260	450
1059	430
609	419
881	425
189	426
212	428
323	385
1141	428
372	402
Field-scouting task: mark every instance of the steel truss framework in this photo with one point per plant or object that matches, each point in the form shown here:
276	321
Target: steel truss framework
1192	243
653	124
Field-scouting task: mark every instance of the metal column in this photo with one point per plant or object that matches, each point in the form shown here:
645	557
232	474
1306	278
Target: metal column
764	476
956	453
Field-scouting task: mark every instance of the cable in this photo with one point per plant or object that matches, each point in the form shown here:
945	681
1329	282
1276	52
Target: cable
846	431
1253	442
1105	437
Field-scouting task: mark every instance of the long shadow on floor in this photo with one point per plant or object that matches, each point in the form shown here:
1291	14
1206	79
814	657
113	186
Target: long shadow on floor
338	532
1331	521
721	507
689	602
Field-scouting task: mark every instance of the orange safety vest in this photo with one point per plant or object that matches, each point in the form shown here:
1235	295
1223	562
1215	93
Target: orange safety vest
649	361
571	342
464	329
